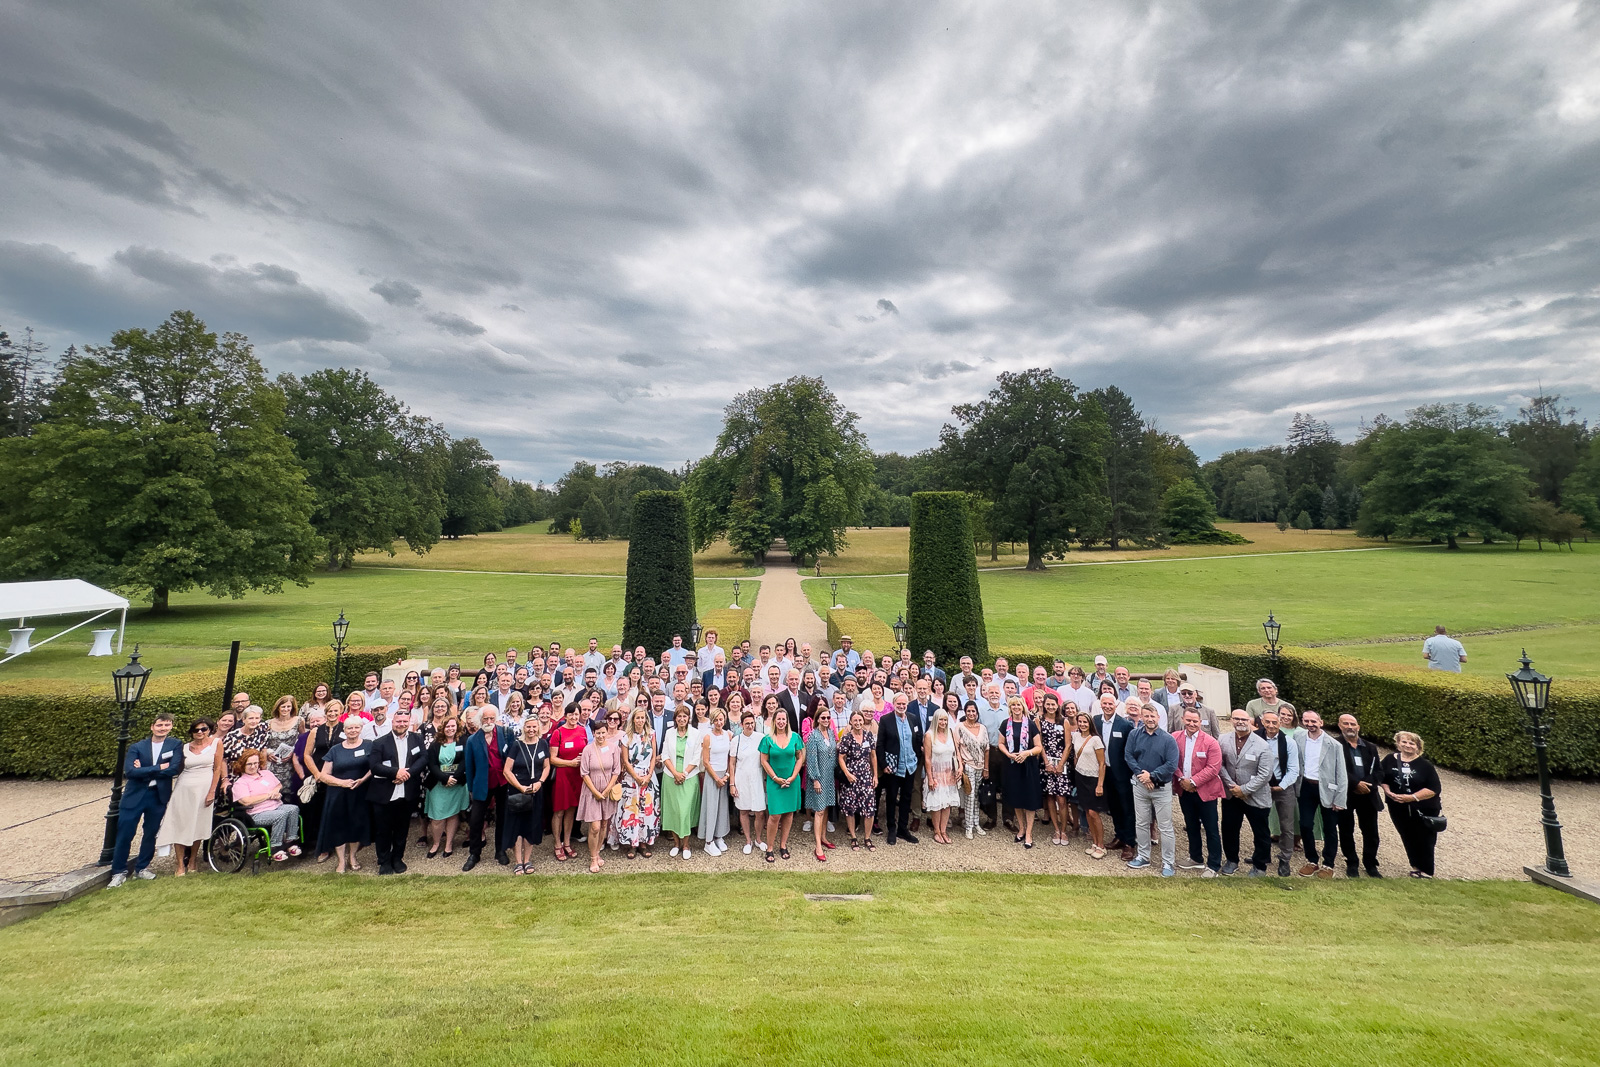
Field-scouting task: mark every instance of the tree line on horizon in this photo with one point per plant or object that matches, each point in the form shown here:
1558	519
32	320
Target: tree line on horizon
167	460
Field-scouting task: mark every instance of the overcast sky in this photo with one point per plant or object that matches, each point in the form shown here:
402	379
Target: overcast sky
576	231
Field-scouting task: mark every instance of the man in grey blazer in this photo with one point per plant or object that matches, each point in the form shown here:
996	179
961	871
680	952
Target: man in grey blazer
1324	786
1247	765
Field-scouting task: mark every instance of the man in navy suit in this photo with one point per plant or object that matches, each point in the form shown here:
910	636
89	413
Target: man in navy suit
148	771
486	783
1114	732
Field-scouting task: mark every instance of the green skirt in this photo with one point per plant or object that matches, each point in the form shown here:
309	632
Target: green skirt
680	804
444	801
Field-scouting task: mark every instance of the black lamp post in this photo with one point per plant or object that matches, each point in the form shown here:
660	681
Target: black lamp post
833	587
1533	693
900	633
1272	626
341	626
129	680
736	592
694	634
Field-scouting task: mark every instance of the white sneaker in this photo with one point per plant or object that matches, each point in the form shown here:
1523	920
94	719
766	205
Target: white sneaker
982	832
806	829
762	845
722	846
687	853
969	833
830	827
121	877
674	852
146	875
748	848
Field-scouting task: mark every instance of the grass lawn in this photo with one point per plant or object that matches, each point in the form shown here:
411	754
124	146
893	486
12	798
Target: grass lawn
1335	596
433	614
695	969
1560	651
885	549
533	548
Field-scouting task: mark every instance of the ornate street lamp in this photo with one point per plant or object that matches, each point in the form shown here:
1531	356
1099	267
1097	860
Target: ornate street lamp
128	680
694	634
1532	690
736	592
1272	626
833	587
900	633
341	626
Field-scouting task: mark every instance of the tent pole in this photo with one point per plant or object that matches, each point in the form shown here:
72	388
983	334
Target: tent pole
122	628
233	666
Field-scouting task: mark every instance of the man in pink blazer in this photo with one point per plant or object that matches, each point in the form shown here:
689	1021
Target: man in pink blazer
1199	782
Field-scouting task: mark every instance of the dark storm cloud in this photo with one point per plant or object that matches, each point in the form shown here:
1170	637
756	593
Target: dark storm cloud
622	216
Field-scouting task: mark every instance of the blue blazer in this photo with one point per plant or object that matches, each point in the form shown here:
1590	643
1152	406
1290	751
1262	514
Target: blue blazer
1116	763
149	785
477	761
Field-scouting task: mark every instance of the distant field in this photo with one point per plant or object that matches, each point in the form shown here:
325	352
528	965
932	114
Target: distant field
1561	651
1335	596
885	549
431	613
736	969
532	548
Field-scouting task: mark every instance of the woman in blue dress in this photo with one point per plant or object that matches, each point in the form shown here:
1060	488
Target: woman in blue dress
345	772
822	759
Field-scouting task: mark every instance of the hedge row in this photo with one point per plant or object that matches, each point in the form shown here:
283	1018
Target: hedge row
732	625
55	729
866	630
944	607
1469	723
659	600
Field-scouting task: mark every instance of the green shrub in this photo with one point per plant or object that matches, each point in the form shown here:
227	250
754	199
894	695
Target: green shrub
57	729
660	595
944	608
1468	723
732	626
868	632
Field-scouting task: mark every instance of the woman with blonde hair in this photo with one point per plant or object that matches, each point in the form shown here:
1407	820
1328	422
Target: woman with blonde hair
972	737
473	712
715	745
283	730
599	767
638	813
744	780
1021	789
1411	784
941	790
780	761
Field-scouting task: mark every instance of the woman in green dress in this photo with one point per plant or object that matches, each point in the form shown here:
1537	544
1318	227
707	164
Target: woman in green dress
447	797
680	780
780	762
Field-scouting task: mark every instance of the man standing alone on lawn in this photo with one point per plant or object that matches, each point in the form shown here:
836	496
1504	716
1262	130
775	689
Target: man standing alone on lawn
149	768
1443	652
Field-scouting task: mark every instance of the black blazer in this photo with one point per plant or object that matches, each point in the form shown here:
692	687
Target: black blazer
1116	764
798	705
889	740
385	767
923	713
1368	772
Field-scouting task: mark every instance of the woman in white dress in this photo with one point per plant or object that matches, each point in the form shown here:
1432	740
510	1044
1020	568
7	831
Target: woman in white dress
715	745
746	781
187	823
941	793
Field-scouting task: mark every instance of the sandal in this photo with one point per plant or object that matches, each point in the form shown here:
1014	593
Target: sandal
645	853
782	852
631	853
771	858
294	850
354	866
279	856
853	846
870	846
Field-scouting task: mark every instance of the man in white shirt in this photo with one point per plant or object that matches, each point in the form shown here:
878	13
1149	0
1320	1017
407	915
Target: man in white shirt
369	690
379	725
1002	672
1076	693
1324	787
1443	652
706	658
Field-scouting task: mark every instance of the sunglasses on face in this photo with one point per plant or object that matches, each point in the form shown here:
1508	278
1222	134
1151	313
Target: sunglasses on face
198	730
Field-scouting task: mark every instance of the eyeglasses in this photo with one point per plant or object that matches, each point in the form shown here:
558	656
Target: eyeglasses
200	730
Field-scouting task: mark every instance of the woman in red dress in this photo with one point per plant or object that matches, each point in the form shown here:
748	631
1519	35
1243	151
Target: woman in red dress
567	743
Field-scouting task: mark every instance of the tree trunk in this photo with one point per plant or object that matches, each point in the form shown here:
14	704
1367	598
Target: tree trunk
158	601
1035	557
333	556
1450	542
994	550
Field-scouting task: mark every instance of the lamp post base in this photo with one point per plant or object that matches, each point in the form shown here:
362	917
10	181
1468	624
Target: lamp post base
1578	887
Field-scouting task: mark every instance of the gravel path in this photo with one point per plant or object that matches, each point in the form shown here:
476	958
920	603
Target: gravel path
782	609
1494	830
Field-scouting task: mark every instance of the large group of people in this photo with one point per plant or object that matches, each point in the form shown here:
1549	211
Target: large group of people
626	752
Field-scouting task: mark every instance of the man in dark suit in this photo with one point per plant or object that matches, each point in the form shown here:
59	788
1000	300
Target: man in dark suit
486	784
931	669
148	771
717	676
397	761
797	704
899	757
1114	731
922	709
1366	799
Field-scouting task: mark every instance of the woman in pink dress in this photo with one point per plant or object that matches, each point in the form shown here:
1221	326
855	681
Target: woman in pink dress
601	766
567	743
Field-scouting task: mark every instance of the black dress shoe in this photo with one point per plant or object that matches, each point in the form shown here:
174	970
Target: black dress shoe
1352	872
383	869
906	836
503	858
1372	872
399	866
889	839
472	861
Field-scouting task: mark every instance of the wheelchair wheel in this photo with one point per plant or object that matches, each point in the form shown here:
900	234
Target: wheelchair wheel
230	847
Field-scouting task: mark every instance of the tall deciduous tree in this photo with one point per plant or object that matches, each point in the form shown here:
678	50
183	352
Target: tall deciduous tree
1132	494
1034	449
377	471
471	504
1551	441
161	465
1444	472
790	463
1255	496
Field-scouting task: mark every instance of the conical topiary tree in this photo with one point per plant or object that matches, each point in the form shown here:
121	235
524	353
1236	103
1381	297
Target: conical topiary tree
944	609
660	596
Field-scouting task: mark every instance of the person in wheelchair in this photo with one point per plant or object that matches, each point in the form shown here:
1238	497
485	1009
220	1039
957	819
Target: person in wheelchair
260	794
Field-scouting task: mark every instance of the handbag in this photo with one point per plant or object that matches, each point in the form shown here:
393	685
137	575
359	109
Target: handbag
307	790
520	803
1436	823
615	792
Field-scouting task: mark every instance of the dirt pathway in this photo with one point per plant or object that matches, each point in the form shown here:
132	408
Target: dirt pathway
782	610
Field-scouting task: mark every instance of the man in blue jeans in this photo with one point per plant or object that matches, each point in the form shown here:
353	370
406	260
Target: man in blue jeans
148	770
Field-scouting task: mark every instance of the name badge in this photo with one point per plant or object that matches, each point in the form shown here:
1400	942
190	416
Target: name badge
361	752
1356	760
1116	733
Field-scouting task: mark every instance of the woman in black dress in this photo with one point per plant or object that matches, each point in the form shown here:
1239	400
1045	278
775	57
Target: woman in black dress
344	811
1411	784
1020	785
527	767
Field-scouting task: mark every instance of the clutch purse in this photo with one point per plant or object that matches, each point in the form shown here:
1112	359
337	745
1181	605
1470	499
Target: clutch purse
615	792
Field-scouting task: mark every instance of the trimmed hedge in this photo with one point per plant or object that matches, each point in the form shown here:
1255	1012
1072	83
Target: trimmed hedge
944	607
660	596
866	630
55	729
732	625
1469	723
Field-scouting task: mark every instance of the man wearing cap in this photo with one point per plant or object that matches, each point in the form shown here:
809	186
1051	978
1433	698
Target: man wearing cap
1189	700
1100	674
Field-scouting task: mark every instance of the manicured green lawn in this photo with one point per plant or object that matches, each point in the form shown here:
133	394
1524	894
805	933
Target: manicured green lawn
1180	603
1560	651
430	613
694	969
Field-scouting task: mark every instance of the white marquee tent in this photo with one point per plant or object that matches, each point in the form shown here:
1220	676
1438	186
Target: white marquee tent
25	600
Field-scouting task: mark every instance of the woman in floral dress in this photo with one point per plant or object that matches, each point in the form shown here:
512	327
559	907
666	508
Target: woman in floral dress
638	819
1057	775
858	759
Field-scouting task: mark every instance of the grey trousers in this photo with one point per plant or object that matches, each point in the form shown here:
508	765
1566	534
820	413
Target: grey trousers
1154	804
281	822
1287	804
